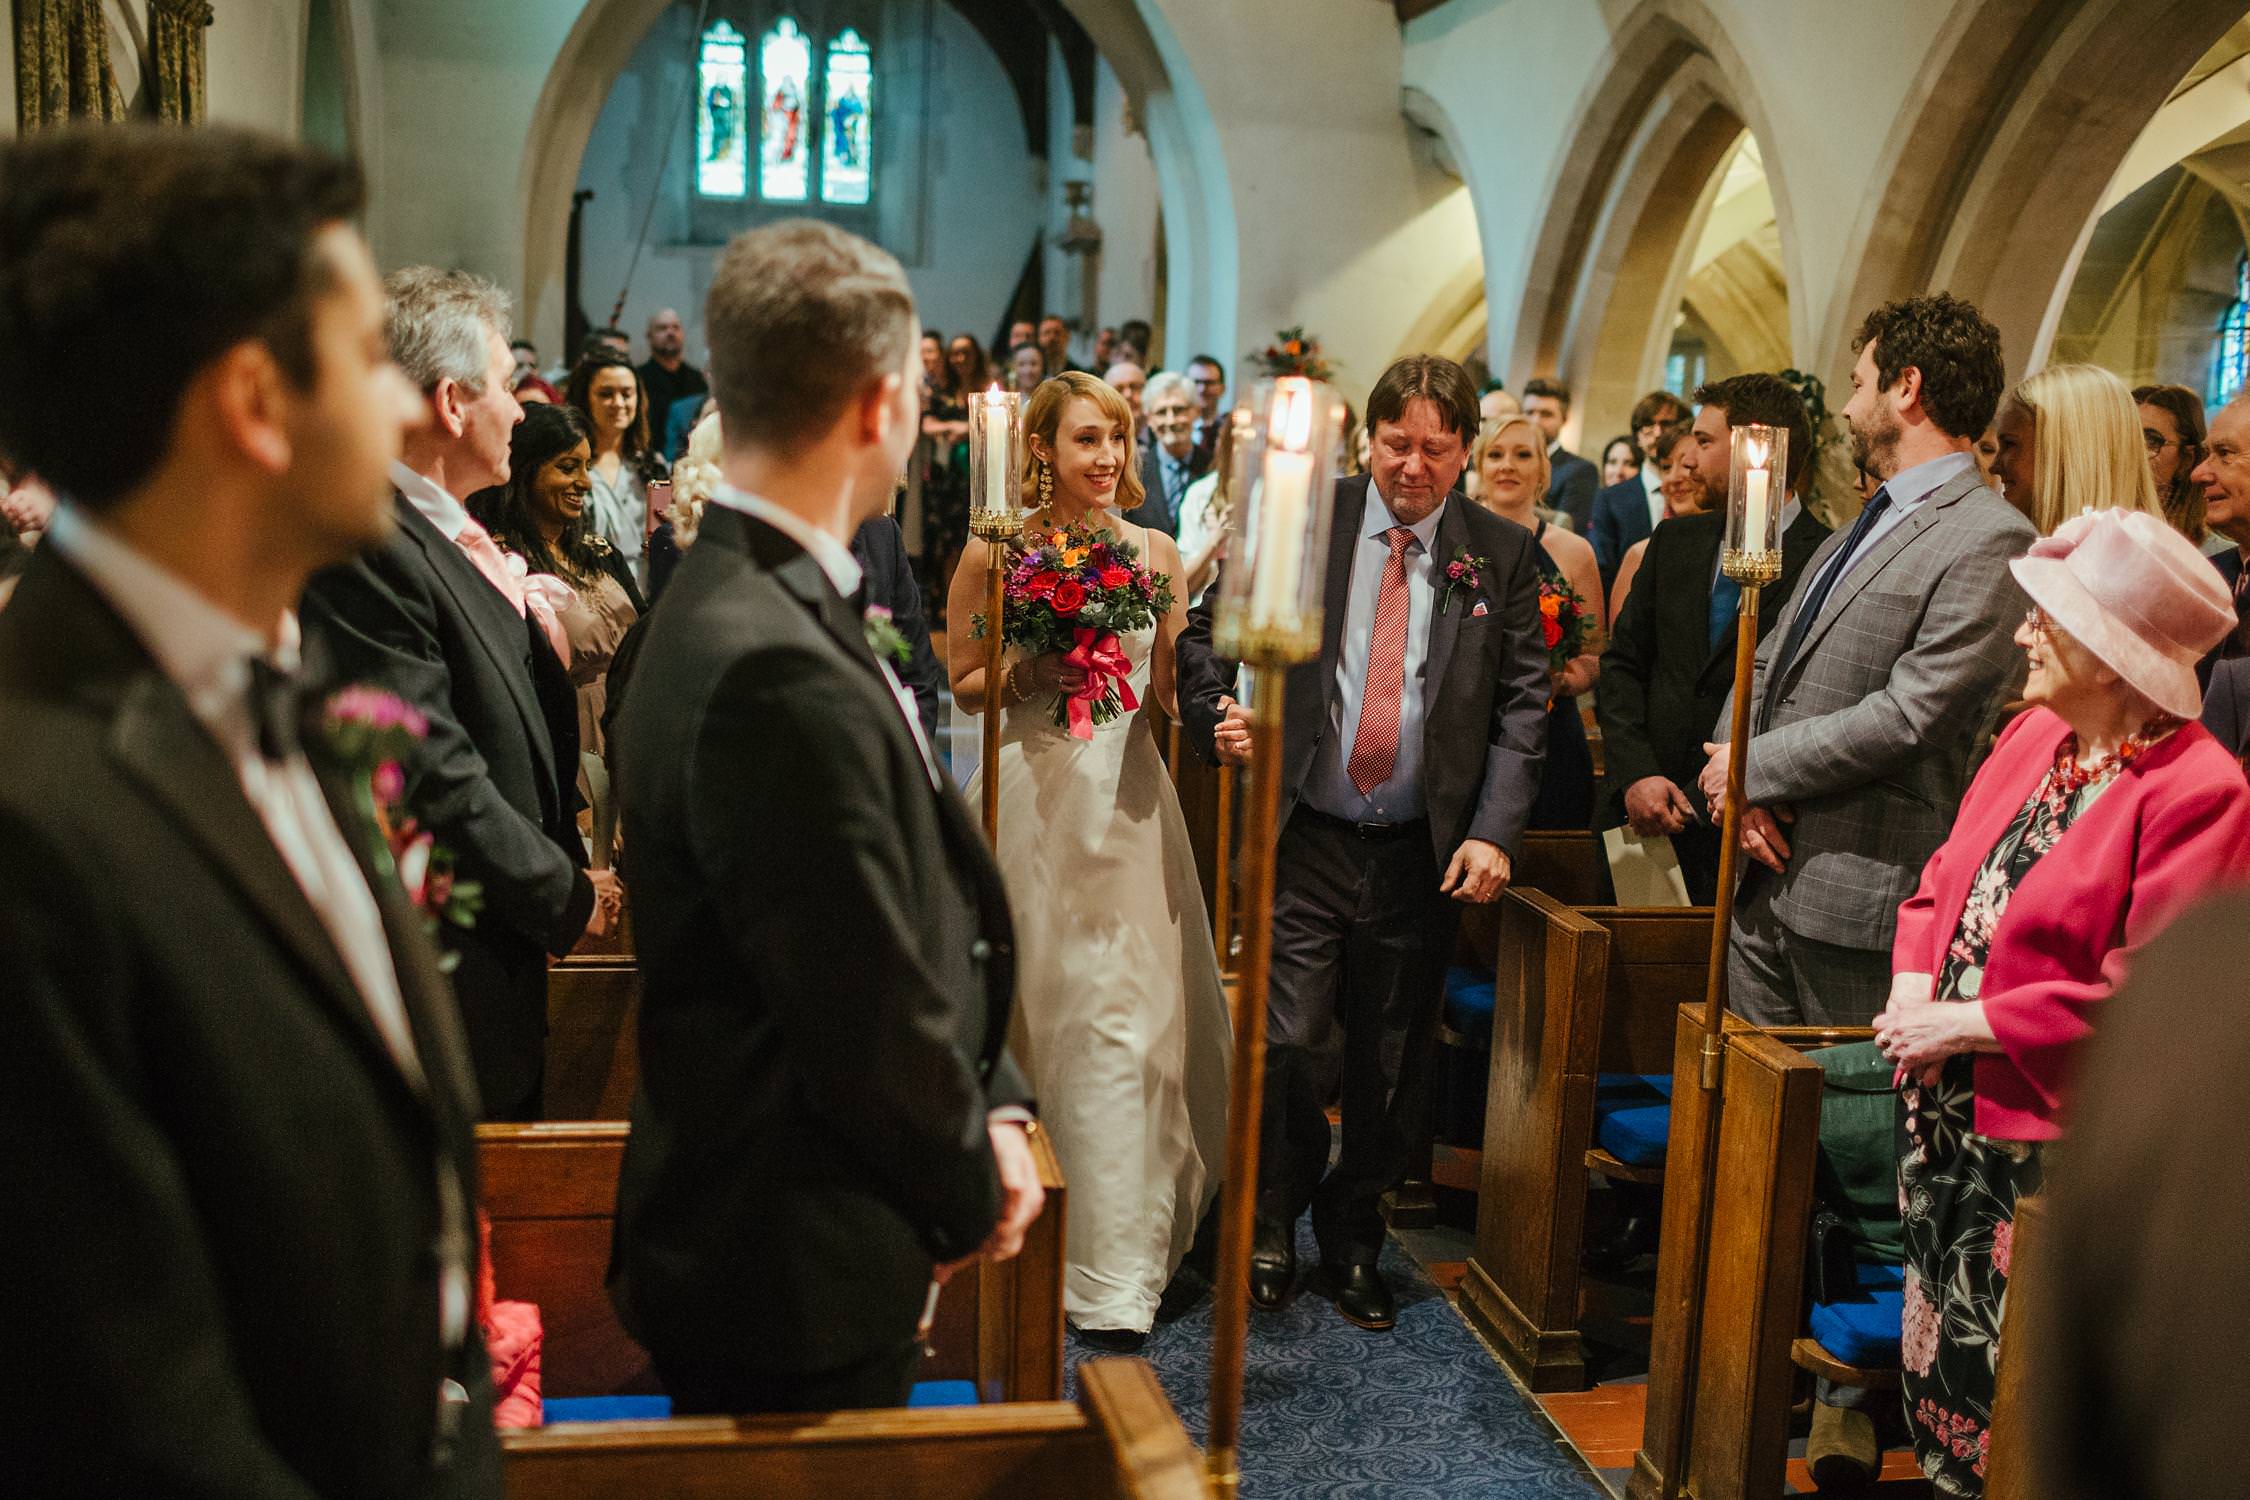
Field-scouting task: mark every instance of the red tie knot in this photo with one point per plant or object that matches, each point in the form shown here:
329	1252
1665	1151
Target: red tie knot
1400	538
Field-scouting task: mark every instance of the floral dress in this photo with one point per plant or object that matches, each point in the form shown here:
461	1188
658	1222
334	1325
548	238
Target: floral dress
1958	1189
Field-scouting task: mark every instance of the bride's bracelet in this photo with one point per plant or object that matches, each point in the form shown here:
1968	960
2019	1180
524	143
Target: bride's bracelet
1013	685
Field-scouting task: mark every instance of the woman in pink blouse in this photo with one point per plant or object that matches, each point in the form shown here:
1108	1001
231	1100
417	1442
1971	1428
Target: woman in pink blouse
2004	955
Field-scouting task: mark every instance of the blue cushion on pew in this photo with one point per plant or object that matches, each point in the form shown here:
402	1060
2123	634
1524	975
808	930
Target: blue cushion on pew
606	1408
944	1393
1468	1003
1863	1328
656	1408
1633	1116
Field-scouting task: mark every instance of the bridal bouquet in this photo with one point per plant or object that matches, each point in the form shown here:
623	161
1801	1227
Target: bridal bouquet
1075	591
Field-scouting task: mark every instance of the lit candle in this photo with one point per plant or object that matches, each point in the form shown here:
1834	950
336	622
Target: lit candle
1755	504
999	481
1285	496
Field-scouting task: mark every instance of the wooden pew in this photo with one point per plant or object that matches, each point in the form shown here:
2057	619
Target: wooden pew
550	1192
1121	1441
1567	864
2013	1468
593	1049
1578	993
1761	1212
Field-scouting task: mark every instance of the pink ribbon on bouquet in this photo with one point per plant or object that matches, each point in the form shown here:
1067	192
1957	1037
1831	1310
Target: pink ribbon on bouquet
1103	660
546	597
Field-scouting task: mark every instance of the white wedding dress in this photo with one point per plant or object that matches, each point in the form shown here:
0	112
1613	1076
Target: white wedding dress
1119	1021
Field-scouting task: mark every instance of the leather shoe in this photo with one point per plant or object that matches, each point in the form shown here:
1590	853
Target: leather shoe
1273	1264
1361	1295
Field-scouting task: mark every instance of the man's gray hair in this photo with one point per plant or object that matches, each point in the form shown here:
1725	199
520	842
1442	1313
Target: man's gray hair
440	323
1167	383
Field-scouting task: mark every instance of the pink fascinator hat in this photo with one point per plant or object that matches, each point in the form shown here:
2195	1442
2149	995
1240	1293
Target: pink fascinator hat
2137	594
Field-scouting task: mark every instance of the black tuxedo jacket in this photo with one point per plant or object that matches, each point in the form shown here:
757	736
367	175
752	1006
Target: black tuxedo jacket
496	781
827	966
1663	683
881	550
223	1277
1571	487
1620	518
1484	724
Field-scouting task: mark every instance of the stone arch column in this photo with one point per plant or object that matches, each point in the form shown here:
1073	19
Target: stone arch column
1993	173
1628	199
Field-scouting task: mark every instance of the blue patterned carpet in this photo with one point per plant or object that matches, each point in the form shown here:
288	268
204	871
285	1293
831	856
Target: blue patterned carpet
1332	1412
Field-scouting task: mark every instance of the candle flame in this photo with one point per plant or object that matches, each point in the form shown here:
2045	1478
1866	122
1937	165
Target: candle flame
1758	453
1291	424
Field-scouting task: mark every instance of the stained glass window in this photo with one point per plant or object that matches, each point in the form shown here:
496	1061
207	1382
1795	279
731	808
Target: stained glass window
2232	365
722	113
785	84
848	150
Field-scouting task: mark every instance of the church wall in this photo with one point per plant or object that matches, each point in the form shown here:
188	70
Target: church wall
1125	205
979	204
254	64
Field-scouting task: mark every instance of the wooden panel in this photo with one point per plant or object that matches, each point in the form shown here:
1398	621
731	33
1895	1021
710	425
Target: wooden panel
1122	1441
1521	1285
1197	782
1565	863
2014	1472
593	1050
550	1192
1659	960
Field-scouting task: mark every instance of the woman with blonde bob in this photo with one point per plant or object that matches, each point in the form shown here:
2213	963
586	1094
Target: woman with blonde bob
1124	1028
2070	442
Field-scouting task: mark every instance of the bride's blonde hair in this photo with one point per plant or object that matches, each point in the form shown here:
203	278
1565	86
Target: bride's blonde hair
1042	418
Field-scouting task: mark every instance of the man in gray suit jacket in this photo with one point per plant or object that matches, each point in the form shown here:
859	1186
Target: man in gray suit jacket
1881	677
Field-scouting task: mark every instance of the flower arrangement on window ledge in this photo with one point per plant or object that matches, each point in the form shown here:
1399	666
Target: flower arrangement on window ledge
1292	353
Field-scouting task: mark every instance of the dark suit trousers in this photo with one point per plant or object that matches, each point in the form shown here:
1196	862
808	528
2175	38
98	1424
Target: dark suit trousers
1361	938
1697	849
885	1380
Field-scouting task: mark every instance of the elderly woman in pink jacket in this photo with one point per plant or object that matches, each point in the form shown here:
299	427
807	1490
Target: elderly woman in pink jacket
2004	954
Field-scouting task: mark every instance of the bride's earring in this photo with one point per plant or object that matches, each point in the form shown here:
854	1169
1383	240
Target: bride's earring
1046	482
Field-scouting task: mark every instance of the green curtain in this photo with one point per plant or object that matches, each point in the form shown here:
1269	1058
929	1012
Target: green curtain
62	64
175	38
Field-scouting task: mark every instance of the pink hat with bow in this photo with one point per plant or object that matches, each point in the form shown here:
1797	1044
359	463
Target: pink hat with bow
2137	594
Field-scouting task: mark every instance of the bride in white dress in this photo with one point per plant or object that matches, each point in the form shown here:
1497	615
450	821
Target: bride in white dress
1121	1022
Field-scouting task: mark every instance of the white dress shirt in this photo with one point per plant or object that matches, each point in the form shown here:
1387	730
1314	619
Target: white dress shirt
431	499
844	574
207	653
1329	787
1650	479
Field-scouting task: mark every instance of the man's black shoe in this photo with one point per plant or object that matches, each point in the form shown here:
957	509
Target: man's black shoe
1273	1264
1361	1295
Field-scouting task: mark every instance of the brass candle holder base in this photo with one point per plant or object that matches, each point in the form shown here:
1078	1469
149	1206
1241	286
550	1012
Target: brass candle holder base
1754	568
1267	646
997	525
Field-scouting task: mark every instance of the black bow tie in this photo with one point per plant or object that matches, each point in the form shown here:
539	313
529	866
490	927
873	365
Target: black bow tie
277	709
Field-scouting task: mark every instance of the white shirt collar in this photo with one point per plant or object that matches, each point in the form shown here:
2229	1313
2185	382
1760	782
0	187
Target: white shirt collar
1650	479
438	508
201	647
1379	519
834	557
1910	487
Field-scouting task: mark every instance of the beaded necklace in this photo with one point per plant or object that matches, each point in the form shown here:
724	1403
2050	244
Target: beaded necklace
2069	778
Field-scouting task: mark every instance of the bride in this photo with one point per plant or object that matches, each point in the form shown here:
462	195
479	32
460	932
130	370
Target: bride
1124	1029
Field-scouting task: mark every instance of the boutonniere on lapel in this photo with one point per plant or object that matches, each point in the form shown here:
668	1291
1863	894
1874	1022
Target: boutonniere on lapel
1465	572
371	732
885	639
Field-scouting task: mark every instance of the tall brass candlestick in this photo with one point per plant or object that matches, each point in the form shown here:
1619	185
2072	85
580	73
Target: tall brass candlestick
1268	617
1751	557
996	517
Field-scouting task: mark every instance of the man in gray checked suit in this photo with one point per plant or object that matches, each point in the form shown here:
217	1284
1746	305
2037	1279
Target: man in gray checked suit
1879	680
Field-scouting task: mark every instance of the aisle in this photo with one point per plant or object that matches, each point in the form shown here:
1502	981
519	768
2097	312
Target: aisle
1331	1411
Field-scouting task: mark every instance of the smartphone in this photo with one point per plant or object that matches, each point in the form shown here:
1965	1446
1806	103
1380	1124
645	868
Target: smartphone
659	502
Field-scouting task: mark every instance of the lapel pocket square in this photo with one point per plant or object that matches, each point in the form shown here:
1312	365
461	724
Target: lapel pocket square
1480	611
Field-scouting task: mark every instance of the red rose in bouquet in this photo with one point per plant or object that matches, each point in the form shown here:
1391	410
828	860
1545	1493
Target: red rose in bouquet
1074	592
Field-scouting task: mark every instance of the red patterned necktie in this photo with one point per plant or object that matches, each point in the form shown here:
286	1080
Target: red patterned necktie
1375	746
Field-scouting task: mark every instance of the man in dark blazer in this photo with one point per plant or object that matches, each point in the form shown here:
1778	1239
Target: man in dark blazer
1171	460
425	616
1410	759
235	1102
1670	662
1628	510
1571	480
826	1118
880	550
2226	506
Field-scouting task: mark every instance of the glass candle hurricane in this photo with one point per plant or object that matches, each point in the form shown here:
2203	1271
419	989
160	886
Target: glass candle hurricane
996	457
1757	488
1285	439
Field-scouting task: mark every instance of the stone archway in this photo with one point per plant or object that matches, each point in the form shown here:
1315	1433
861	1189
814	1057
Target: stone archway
1191	175
1629	200
1994	175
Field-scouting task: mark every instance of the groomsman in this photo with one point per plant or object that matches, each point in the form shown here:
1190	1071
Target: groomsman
1881	675
1571	481
236	1121
1670	662
436	615
1410	759
826	1117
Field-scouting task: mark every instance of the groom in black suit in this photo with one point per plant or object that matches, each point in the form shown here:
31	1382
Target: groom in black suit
827	1120
236	1122
1410	759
